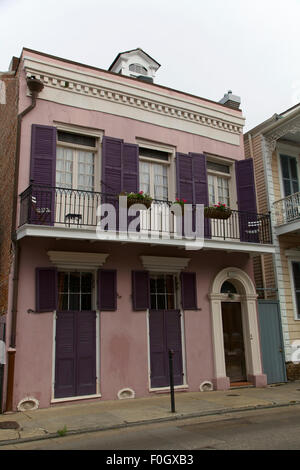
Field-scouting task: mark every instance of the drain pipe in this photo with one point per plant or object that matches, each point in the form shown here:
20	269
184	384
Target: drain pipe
35	86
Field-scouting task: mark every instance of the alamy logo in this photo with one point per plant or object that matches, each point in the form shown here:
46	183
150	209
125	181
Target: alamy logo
296	351
159	222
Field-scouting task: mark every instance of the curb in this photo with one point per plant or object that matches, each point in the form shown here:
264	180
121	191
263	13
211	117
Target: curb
126	424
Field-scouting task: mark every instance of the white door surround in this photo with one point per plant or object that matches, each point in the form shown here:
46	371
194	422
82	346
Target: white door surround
248	298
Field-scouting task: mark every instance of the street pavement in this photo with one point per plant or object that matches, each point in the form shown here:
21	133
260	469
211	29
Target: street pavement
84	417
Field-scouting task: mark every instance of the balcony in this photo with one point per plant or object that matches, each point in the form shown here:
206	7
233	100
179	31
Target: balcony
68	213
287	214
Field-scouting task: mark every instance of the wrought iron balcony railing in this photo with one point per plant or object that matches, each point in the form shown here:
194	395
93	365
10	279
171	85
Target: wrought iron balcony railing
287	209
77	209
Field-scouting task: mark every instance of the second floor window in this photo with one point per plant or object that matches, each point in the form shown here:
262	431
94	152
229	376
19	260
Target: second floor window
218	183
75	162
289	175
154	168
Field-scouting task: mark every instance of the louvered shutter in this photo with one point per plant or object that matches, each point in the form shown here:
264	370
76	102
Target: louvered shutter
188	290
192	182
140	290
248	221
42	174
158	349
46	289
173	339
86	353
130	168
107	289
201	186
65	355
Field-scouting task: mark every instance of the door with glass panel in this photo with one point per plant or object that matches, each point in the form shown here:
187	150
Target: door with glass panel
164	331
75	338
76	201
154	181
219	179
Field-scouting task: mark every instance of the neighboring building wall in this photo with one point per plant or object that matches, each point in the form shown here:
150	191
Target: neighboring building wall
264	264
8	131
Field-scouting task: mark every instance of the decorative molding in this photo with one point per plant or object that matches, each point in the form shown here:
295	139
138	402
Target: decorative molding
163	264
76	260
130	95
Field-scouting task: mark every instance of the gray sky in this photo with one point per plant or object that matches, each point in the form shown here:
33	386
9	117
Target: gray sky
205	47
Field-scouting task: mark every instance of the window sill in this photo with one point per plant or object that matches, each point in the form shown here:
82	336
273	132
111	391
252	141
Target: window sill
177	388
66	399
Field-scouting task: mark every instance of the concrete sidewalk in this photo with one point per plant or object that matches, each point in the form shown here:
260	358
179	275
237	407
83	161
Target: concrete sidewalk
91	416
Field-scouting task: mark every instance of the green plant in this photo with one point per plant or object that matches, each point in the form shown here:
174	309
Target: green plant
219	206
62	432
137	198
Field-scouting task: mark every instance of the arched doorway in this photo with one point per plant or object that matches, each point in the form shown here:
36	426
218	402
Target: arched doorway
234	314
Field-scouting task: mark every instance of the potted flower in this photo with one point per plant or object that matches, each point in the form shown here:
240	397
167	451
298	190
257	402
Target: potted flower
181	202
138	198
217	211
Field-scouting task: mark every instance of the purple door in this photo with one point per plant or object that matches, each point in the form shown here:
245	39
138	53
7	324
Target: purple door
165	334
75	364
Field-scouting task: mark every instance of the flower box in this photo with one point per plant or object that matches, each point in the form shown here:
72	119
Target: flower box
217	213
138	198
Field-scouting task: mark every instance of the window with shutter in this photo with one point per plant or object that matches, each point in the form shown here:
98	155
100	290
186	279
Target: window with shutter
46	289
140	290
188	291
107	289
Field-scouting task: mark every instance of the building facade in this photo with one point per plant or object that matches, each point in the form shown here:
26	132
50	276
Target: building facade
274	146
93	313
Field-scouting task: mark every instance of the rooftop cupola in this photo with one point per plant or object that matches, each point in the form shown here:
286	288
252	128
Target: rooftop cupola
135	63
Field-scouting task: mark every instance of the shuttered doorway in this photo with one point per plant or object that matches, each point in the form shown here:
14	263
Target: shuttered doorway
75	361
165	332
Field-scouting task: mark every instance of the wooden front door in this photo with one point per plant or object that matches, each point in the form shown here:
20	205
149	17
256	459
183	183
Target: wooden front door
75	352
233	342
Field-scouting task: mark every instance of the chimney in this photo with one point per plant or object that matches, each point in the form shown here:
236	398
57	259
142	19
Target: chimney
230	100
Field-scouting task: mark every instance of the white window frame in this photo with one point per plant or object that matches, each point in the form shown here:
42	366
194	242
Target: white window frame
291	151
229	176
171	151
98	135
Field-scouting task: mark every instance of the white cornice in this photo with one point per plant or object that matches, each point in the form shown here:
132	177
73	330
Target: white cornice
164	264
112	95
70	259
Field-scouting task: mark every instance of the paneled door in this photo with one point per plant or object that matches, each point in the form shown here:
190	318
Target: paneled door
75	346
233	342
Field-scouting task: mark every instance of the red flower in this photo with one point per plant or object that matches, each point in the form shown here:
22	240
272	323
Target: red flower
184	200
141	192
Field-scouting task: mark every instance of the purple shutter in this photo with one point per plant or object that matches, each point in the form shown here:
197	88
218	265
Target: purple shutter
184	171
201	186
46	289
140	290
158	349
107	289
42	174
112	150
165	334
248	221
173	338
65	355
86	353
130	171
188	291
192	181
130	168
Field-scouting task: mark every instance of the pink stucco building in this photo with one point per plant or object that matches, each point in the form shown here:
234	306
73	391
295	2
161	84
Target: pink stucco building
92	314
